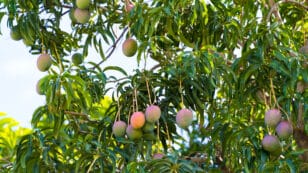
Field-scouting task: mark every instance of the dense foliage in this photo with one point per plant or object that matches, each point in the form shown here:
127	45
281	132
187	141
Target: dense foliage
227	61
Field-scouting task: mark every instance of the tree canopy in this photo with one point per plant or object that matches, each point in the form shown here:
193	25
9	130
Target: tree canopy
223	70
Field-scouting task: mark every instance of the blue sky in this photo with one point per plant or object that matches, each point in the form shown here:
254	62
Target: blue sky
19	75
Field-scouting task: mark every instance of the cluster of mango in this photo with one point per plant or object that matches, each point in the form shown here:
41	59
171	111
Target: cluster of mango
144	123
283	129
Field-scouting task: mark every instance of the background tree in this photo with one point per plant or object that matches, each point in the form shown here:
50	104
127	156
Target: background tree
228	62
10	133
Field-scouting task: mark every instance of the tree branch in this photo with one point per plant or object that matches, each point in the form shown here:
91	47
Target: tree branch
274	7
155	67
297	3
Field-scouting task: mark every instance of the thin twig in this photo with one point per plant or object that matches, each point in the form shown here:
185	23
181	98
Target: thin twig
158	138
113	47
275	100
61	65
136	98
76	113
265	99
66	6
273	92
168	136
118	115
86	116
181	93
92	164
128	116
148	89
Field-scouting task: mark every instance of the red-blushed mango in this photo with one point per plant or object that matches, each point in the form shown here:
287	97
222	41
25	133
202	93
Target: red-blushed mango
133	133
272	117
184	118
83	4
284	129
81	16
119	128
77	59
44	62
129	47
158	156
152	113
137	120
129	7
271	144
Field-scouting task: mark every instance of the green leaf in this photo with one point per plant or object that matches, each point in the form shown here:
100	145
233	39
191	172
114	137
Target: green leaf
280	68
291	166
115	68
